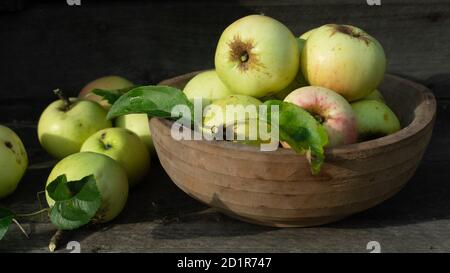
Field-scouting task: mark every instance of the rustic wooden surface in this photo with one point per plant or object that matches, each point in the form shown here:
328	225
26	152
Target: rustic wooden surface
52	45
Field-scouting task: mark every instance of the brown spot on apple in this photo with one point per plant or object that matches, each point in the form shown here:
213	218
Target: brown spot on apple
348	30
242	52
8	145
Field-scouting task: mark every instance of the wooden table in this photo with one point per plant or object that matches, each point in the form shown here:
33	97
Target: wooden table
51	45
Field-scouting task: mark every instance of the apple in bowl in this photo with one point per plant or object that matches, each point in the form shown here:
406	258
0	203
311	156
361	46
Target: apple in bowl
330	109
257	56
345	59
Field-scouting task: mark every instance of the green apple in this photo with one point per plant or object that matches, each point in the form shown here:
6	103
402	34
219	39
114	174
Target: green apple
137	123
63	127
125	147
207	86
13	161
106	83
237	111
345	59
299	80
375	95
111	180
257	56
374	119
306	35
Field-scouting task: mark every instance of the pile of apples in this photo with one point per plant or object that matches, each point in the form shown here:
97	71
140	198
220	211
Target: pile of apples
332	71
77	132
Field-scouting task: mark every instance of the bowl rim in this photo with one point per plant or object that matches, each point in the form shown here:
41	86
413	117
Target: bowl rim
425	114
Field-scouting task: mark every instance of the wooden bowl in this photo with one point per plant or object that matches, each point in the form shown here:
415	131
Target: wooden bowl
277	189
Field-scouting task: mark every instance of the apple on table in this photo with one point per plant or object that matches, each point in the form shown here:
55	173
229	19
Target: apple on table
111	181
66	123
138	123
125	147
13	161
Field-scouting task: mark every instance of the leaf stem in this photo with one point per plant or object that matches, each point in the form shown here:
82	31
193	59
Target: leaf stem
24	215
21	228
58	92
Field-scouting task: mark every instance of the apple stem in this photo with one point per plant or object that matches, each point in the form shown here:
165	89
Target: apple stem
57	238
21	228
58	92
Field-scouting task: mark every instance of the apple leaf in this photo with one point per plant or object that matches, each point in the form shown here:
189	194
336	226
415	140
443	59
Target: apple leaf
111	95
6	219
156	101
301	131
76	202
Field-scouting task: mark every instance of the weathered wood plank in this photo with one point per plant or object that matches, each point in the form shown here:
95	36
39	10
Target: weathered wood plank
54	45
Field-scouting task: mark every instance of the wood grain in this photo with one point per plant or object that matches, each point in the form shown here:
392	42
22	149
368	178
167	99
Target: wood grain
53	45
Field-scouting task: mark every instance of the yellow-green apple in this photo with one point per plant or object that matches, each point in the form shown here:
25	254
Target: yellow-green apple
65	124
111	181
13	161
137	123
299	80
344	59
257	56
125	147
206	86
107	83
330	109
306	35
240	112
375	119
375	95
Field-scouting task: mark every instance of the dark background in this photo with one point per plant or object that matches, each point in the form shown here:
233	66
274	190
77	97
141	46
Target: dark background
48	44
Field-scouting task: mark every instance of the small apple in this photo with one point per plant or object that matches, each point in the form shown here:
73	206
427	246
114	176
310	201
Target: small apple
330	109
234	110
13	161
106	83
375	95
137	123
374	119
65	124
111	180
257	56
125	147
207	86
345	59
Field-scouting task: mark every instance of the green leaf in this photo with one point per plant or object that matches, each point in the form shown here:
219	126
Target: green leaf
111	95
76	202
156	101
301	131
6	218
